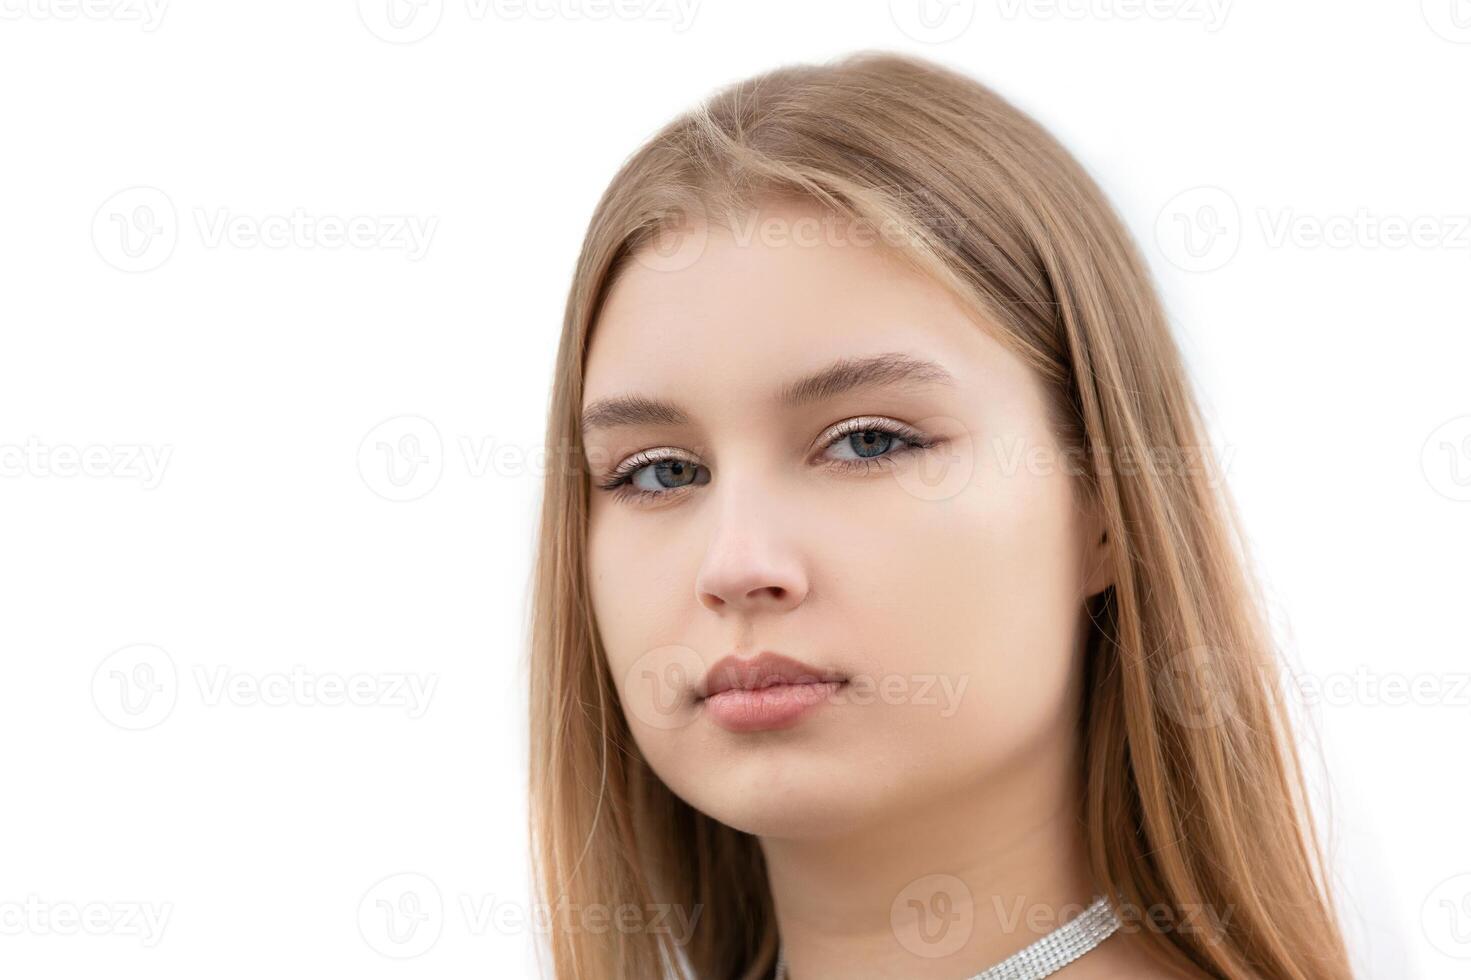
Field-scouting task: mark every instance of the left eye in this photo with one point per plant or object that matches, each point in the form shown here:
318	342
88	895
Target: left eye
870	439
866	443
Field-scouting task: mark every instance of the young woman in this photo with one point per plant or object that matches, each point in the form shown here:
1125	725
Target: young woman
889	616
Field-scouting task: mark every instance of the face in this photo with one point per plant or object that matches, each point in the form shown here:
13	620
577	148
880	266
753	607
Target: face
904	530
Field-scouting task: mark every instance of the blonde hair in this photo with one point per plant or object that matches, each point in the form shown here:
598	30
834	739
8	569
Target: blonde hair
1184	807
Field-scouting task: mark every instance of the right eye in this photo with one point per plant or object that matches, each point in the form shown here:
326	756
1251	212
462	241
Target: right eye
652	474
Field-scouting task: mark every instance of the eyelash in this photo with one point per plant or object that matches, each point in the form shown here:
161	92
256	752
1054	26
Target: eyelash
620	482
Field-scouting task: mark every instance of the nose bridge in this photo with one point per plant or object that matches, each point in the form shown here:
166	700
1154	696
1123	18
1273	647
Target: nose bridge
752	557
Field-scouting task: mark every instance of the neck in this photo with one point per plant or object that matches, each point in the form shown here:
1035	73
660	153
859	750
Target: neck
942	891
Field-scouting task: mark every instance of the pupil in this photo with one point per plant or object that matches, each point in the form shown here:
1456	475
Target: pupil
677	467
869	439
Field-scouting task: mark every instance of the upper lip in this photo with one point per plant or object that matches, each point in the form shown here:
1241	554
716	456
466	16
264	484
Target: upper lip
766	669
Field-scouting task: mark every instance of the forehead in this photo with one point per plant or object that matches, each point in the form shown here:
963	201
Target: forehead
765	295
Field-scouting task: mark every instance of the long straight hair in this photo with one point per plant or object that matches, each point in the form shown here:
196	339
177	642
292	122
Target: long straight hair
1192	789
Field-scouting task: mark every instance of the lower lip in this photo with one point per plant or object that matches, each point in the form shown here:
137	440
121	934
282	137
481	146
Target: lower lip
769	708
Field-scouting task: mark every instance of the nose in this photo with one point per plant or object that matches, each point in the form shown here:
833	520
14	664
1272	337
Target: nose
752	563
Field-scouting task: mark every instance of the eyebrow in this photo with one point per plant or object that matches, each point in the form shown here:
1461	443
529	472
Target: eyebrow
846	374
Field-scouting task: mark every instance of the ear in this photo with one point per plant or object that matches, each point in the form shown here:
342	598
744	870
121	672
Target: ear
1098	559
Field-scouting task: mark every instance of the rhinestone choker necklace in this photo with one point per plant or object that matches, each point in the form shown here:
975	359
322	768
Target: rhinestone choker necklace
1045	956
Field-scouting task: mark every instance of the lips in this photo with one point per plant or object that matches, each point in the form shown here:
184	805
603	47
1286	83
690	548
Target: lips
766	669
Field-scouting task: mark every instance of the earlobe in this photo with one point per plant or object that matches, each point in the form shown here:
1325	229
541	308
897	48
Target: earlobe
1099	571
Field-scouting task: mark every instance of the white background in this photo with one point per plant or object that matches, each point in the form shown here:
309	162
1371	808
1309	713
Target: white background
263	541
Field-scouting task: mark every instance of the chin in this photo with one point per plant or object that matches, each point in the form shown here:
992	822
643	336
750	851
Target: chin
795	794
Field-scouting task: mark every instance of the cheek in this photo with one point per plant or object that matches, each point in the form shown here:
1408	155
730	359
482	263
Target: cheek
986	582
619	600
640	595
